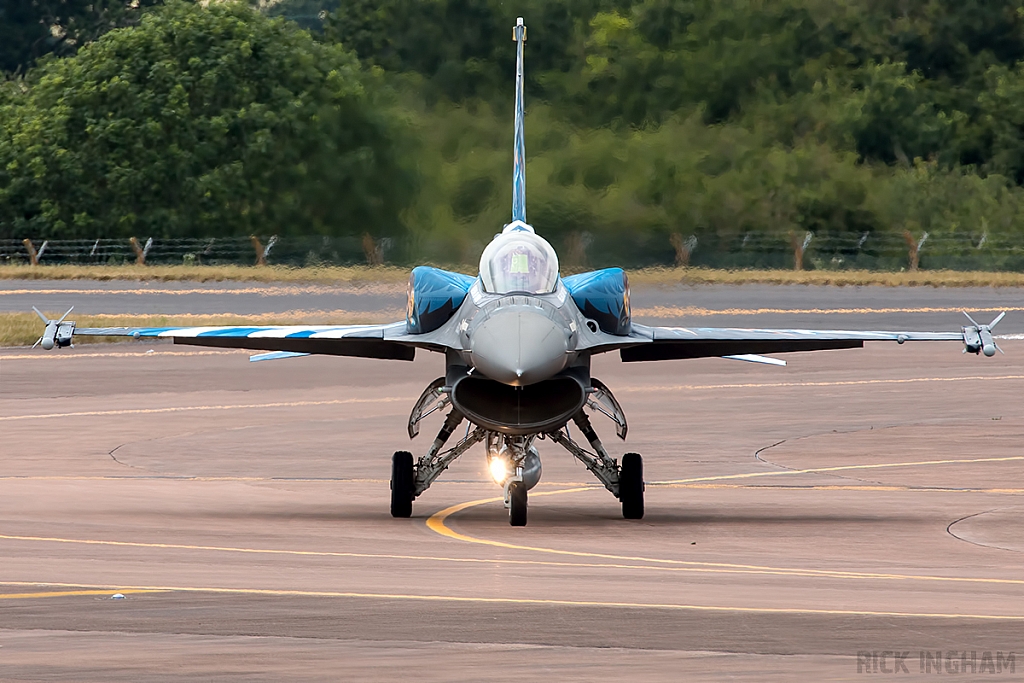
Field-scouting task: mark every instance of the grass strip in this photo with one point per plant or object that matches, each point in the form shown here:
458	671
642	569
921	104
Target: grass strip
392	275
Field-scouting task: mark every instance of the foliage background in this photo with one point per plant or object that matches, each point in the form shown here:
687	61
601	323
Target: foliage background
737	126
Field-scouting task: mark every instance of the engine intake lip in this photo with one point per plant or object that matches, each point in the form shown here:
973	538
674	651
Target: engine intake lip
517	411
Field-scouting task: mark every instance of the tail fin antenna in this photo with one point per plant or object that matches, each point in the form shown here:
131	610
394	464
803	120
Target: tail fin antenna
519	154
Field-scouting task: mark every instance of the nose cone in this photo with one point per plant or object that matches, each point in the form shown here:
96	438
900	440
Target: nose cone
519	347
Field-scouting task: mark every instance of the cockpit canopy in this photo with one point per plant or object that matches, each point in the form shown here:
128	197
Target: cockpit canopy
519	260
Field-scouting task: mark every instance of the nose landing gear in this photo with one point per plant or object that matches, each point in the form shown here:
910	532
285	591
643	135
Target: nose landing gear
517	503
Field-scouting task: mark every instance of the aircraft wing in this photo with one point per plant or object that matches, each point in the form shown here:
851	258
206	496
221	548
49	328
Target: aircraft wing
667	343
366	341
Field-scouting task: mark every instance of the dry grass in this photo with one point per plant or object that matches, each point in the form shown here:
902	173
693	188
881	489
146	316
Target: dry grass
841	278
391	275
326	275
23	329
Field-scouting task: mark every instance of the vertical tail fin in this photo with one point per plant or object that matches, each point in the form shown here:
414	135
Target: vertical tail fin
519	154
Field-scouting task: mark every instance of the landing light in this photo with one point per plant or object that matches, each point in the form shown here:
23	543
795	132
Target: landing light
499	469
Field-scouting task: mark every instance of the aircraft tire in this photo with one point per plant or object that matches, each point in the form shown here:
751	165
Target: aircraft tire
518	503
631	486
402	478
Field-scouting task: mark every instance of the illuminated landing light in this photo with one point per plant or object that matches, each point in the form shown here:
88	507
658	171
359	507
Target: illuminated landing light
499	469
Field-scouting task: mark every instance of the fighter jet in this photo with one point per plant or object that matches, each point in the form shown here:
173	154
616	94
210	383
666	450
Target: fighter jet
517	342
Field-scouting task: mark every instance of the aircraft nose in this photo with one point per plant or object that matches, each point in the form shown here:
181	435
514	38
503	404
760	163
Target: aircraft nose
519	347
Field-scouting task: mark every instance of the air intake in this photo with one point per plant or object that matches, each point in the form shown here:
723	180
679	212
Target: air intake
539	407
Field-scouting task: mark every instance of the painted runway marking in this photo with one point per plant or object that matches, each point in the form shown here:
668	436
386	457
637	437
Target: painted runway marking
693	387
294	313
837	468
840	487
836	383
184	477
436	523
681	311
285	290
278	480
64	594
181	409
459	560
541	601
627	562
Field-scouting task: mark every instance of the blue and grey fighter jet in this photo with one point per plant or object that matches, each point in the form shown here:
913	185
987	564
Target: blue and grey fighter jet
517	342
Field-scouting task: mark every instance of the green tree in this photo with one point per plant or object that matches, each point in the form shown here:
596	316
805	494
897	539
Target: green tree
200	121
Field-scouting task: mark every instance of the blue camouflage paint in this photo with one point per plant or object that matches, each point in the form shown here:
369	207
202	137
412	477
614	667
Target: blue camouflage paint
433	296
153	331
231	332
519	146
602	295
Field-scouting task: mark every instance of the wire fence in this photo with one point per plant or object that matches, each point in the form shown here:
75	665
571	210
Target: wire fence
293	251
869	251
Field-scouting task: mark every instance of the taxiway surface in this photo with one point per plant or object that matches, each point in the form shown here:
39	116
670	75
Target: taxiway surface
865	500
751	305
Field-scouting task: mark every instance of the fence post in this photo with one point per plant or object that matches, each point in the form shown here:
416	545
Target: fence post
374	251
261	260
262	252
140	251
799	246
684	248
33	257
914	248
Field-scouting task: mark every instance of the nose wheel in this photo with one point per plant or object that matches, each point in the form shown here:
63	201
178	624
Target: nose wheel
517	503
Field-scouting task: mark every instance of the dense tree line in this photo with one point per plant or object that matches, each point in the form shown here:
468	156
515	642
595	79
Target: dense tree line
863	122
199	122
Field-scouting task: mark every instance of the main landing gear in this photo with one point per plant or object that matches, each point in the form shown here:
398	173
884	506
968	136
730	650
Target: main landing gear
626	482
402	479
631	486
512	460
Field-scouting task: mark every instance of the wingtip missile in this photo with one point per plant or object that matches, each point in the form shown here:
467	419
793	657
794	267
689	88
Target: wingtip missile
57	333
978	338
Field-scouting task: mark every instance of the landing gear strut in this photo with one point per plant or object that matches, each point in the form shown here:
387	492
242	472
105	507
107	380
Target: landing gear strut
513	460
626	482
521	474
408	481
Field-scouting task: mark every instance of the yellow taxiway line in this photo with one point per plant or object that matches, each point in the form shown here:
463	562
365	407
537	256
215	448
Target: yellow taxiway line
834	383
64	594
693	567
682	311
837	468
679	387
437	524
283	290
181	409
536	601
